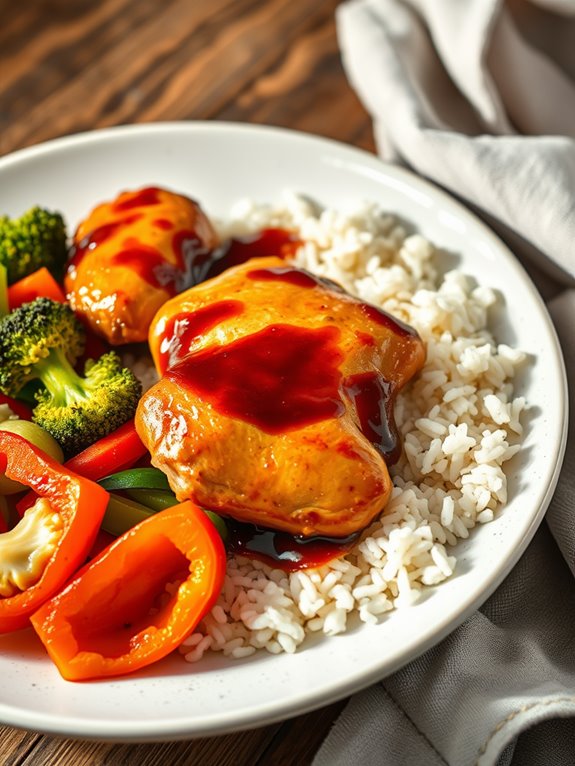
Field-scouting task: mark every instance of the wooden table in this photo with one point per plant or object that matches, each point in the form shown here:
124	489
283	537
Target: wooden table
74	65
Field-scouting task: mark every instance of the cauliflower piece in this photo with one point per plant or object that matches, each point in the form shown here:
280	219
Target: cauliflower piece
26	549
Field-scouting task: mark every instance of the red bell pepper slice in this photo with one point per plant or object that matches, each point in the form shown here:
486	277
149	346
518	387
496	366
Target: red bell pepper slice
80	505
18	408
137	601
36	285
115	452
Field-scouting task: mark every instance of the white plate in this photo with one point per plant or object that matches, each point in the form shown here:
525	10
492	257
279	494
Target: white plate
218	163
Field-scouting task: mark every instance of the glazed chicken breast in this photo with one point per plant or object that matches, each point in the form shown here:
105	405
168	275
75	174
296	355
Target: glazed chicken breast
276	401
130	256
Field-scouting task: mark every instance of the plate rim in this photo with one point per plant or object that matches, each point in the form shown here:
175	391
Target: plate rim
177	728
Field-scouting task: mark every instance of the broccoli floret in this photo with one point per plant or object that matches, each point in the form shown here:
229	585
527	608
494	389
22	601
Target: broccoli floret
79	411
29	334
41	341
36	239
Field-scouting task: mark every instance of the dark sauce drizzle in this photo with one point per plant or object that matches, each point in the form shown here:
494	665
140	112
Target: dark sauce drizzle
96	237
284	551
293	276
371	395
297	277
143	198
281	378
238	250
183	329
151	266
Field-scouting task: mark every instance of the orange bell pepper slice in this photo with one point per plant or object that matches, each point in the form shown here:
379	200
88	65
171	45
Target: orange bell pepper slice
136	601
39	283
78	505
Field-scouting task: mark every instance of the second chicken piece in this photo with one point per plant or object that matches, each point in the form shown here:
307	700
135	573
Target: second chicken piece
133	254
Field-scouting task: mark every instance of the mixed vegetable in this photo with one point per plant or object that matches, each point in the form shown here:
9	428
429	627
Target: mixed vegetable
53	537
66	396
36	240
116	615
41	341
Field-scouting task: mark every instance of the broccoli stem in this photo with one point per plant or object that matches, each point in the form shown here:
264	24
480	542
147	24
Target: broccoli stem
65	386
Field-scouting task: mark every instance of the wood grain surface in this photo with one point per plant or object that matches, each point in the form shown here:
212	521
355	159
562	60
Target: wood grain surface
73	65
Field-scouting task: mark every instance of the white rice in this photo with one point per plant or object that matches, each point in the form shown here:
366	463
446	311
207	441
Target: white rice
459	423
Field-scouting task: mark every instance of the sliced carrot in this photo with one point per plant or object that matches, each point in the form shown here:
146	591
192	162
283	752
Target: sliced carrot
38	284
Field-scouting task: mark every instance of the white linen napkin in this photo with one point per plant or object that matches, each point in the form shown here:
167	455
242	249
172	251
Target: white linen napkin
461	96
478	97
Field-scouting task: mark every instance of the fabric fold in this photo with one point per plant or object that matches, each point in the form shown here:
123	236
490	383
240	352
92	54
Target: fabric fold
526	182
475	97
470	699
